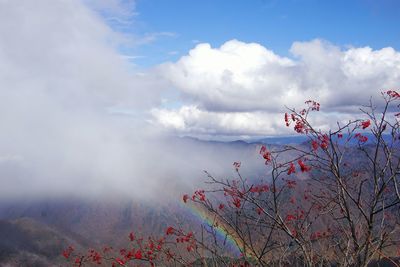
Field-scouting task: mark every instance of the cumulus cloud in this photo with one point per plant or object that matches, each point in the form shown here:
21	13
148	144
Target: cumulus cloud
192	120
344	78
248	84
217	78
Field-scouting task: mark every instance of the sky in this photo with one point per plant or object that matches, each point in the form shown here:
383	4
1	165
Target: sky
92	91
273	24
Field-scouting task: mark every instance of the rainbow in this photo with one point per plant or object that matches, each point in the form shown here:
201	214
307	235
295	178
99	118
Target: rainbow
224	232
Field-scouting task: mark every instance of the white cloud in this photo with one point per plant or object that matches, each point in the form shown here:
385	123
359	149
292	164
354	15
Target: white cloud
190	120
343	78
218	78
250	84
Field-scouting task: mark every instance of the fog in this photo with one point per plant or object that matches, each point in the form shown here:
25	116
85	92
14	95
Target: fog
73	111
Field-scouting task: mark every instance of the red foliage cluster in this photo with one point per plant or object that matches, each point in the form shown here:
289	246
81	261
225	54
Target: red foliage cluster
265	154
262	188
170	230
318	235
199	195
393	94
290	217
300	126
298	214
313	105
291	183
361	138
293	118
233	190
291	169
150	250
324	141
303	166
365	124
77	259
187	239
237	202
67	252
314	145
95	256
259	210
300	123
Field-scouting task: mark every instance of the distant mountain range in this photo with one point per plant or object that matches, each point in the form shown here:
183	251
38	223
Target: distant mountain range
27	242
273	140
36	233
297	139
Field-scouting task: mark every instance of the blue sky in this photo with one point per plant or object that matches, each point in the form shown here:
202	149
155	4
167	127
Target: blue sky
274	24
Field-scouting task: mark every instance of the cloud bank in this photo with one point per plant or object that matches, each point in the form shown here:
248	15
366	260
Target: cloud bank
243	88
